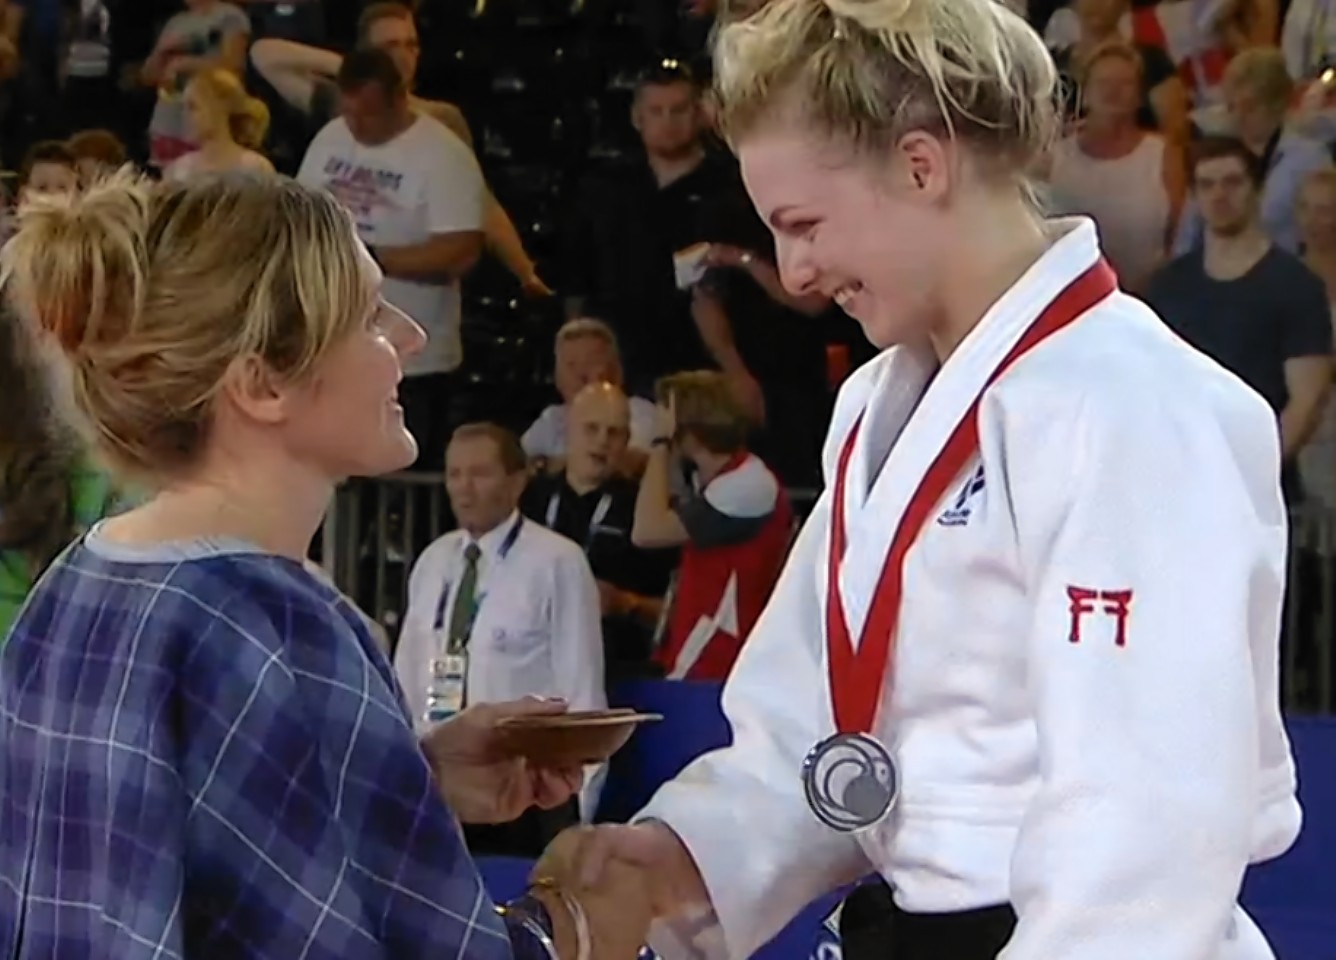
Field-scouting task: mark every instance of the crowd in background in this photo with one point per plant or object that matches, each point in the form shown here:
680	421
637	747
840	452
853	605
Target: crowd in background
613	355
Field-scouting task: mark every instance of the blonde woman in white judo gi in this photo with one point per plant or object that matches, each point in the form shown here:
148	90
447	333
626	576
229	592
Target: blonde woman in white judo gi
1023	659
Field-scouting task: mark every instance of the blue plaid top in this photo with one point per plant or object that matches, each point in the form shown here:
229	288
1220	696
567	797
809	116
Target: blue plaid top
205	755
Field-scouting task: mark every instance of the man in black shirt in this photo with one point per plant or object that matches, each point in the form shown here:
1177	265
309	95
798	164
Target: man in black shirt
632	217
629	223
591	503
1257	310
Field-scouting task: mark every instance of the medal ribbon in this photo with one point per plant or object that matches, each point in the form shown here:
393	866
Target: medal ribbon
858	676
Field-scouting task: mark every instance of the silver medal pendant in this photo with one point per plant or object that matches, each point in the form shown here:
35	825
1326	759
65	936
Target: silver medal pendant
850	781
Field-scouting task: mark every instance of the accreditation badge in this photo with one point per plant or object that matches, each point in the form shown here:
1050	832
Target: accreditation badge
445	689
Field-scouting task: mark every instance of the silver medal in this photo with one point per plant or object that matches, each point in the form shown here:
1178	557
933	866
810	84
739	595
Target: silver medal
850	781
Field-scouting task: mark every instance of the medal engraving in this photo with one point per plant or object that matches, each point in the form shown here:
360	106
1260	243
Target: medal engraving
850	781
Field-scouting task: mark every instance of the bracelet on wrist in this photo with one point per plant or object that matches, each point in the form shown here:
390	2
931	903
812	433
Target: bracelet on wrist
583	938
529	914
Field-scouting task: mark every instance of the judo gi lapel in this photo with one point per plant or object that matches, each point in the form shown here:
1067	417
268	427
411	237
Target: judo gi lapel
871	519
895	393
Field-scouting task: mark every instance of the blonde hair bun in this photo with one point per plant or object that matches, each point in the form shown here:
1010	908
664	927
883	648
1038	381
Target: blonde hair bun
869	71
78	261
155	290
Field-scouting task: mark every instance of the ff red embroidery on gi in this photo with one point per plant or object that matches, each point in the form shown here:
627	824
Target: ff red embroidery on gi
1115	603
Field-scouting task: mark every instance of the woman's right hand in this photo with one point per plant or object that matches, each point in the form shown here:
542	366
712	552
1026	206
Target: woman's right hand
596	860
616	879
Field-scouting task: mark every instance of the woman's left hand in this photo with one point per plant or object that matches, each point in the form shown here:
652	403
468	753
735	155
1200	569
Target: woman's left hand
481	780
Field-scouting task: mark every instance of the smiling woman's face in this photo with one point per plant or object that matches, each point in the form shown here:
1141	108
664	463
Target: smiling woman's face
862	231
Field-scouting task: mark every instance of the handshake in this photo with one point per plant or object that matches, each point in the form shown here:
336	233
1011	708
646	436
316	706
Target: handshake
603	886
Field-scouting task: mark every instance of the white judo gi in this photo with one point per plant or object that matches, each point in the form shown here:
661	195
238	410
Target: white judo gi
1108	769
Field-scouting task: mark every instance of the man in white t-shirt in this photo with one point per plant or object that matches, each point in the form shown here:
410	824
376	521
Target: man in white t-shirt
416	193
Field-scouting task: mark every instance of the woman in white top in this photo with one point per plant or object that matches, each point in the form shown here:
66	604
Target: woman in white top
228	125
1317	226
1022	659
1130	181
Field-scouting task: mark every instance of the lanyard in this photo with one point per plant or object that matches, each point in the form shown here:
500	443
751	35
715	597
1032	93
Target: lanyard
443	601
600	514
858	676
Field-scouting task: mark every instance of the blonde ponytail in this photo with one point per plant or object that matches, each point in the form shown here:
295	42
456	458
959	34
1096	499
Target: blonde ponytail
78	264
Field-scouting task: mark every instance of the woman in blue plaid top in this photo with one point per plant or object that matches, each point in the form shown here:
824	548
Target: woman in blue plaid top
204	753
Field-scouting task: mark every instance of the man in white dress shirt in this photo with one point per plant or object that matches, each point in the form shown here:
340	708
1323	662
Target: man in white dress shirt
516	598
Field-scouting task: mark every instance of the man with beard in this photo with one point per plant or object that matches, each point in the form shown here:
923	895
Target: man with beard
1248	304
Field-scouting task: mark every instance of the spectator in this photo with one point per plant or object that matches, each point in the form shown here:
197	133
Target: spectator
631	219
732	521
49	167
304	77
586	353
592	504
498	610
1247	303
1317	228
1160	96
227	124
1129	180
1199	36
96	153
416	194
49	491
1258	90
207	34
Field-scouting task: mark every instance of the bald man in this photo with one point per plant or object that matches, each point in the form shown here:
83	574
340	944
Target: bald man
591	502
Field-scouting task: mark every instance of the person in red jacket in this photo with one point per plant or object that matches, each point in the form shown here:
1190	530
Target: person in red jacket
702	490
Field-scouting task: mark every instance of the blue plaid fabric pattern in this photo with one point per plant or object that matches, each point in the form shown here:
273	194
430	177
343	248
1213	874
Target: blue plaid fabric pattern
210	758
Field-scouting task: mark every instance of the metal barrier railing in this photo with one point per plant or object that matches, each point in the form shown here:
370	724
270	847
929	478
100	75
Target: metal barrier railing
376	528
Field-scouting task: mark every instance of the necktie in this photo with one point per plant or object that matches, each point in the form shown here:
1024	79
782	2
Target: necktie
466	603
